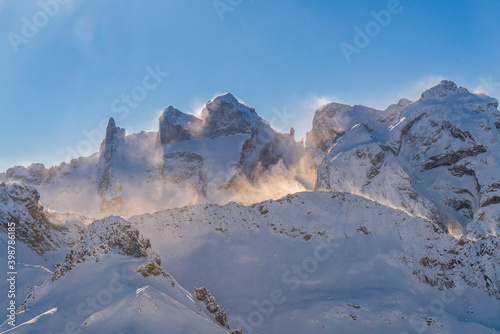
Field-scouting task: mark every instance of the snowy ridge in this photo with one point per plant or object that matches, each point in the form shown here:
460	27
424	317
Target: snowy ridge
400	259
103	236
437	158
121	300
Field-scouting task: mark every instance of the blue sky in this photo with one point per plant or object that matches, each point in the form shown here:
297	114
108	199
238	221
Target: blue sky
284	58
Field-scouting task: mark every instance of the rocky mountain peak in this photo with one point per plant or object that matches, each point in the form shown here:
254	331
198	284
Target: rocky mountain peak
404	102
173	115
438	152
443	89
109	188
224	115
226	97
393	112
19	193
332	120
113	135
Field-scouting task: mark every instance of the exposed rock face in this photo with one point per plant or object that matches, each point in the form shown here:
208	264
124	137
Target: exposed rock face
442	149
445	88
110	144
19	205
185	166
265	149
225	115
357	164
109	188
326	127
331	121
466	259
151	269
176	126
450	159
203	295
102	236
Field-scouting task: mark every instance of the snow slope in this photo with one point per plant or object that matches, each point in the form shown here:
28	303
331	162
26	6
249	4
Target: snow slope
120	289
385	273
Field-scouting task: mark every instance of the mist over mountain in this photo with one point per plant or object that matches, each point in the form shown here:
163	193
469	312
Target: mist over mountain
187	161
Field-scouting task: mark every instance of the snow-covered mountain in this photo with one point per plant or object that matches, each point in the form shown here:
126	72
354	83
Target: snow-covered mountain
437	157
400	235
208	159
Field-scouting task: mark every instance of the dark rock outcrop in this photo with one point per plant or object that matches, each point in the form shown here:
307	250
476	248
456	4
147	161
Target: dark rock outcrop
176	126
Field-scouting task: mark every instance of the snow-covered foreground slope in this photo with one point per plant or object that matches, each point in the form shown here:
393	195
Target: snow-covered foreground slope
325	262
111	296
107	278
111	282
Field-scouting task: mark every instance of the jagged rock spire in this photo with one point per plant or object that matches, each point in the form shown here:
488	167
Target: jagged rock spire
113	135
